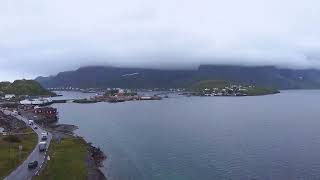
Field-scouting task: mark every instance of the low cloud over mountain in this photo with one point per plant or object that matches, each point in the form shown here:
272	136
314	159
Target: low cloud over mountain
45	37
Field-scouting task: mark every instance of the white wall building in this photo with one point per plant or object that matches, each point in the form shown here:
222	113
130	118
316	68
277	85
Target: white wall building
9	96
36	101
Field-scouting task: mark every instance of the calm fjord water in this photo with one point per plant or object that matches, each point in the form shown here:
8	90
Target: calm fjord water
272	137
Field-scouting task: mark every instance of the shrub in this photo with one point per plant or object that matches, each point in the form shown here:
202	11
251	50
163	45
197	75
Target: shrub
12	138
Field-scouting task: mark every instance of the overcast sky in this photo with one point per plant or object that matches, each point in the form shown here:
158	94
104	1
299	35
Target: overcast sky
43	37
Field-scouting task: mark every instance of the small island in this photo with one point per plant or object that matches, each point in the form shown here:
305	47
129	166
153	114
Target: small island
116	95
224	88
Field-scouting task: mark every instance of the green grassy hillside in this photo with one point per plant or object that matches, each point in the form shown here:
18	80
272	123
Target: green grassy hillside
67	161
24	87
249	90
200	85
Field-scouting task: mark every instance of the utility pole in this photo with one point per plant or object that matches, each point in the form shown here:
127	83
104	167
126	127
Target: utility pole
9	143
20	151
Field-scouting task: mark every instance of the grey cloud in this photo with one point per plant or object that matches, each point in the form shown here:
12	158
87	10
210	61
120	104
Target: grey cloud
45	37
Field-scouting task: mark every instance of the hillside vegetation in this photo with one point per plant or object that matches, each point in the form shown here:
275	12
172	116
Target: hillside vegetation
200	85
67	157
250	90
256	91
24	87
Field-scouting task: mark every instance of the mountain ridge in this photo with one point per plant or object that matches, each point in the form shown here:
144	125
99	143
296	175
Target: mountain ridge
107	76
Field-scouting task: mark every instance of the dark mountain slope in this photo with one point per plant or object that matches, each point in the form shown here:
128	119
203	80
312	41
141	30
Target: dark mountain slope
97	76
100	76
267	76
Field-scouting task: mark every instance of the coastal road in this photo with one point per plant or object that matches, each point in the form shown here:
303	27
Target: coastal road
22	172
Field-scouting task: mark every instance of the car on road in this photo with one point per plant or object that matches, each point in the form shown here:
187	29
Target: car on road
32	164
44	136
42	146
31	122
35	127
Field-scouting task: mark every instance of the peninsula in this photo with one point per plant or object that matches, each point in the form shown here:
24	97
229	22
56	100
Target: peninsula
225	88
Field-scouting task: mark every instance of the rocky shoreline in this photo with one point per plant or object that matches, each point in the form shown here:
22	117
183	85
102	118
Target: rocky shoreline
94	160
94	156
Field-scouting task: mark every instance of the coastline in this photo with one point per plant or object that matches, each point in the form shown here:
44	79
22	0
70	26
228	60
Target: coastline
94	157
94	161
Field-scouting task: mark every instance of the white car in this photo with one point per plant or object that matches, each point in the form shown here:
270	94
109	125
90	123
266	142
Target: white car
42	146
44	136
31	122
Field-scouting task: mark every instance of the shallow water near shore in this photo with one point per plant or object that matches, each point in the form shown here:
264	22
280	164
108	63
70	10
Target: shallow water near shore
272	137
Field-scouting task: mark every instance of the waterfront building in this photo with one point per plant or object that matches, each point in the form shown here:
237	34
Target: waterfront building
9	96
48	111
40	101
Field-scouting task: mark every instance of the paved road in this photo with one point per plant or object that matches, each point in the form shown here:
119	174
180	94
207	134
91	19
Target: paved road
22	172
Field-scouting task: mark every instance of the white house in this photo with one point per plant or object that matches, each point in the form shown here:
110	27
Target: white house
120	91
40	101
26	102
145	98
9	96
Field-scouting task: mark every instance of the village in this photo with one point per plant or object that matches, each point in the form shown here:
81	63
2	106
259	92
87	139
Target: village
120	95
230	90
38	108
25	120
39	116
38	112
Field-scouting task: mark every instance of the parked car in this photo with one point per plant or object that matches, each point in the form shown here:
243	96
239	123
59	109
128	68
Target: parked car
32	164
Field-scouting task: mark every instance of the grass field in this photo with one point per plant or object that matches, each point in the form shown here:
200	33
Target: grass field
261	91
67	161
10	158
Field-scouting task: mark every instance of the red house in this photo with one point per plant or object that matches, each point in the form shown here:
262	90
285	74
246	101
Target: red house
47	111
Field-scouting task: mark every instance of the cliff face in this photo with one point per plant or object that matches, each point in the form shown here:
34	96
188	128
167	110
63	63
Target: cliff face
100	76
